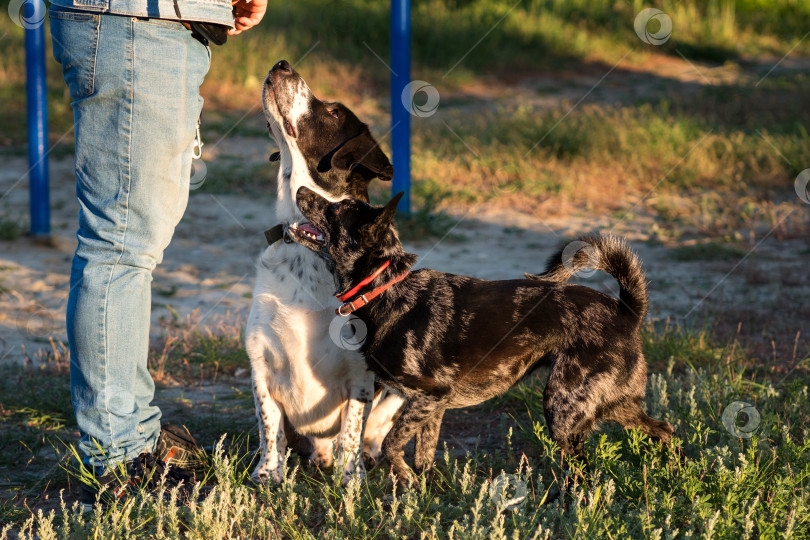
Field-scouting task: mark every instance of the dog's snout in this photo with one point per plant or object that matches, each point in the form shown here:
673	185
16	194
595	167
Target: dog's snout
282	66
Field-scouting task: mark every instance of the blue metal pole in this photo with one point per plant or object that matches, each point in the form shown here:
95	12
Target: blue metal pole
37	118
400	114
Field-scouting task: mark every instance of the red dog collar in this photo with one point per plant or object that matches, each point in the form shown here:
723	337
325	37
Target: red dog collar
345	296
350	307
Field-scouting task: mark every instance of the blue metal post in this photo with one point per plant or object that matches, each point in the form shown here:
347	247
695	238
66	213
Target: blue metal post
400	115
37	118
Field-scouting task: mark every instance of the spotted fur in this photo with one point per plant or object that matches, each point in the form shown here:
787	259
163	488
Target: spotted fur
309	393
447	341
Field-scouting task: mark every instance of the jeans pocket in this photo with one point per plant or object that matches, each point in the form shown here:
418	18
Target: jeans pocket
75	44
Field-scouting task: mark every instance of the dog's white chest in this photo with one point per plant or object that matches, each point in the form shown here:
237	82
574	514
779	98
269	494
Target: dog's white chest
288	338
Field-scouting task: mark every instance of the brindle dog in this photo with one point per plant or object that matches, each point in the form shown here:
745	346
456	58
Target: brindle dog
447	341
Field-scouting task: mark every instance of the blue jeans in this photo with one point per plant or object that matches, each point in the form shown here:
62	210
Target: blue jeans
134	85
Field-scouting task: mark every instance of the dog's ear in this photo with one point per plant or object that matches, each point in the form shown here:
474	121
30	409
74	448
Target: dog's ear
363	154
390	209
376	230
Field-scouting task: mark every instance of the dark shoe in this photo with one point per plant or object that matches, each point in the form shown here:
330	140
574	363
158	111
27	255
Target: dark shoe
177	448
142	474
175	451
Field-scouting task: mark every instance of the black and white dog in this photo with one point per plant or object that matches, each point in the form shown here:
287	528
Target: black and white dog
304	383
446	341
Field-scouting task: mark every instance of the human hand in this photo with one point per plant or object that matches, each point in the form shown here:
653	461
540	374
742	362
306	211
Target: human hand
247	14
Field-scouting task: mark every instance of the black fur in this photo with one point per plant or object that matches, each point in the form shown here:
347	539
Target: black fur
448	341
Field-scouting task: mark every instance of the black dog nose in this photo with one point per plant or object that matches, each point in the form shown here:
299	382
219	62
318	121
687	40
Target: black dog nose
283	66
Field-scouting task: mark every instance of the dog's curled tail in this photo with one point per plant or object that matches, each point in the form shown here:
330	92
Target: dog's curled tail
610	254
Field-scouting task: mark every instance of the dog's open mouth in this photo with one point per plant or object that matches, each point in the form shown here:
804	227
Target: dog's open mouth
308	232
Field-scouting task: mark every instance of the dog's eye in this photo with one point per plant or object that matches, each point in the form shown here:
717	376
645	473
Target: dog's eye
334	113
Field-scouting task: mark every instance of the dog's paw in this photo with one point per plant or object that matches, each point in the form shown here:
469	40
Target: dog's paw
369	461
347	477
351	466
263	474
373	451
323	455
323	461
405	477
409	479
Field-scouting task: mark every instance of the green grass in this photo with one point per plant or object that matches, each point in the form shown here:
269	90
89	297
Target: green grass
696	162
454	41
715	485
10	228
192	349
35	417
519	35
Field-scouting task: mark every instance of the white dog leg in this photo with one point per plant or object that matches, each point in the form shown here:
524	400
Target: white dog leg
349	451
380	422
271	435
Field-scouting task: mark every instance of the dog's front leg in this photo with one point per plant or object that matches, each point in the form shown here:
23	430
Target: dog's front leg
419	410
271	433
350	441
427	438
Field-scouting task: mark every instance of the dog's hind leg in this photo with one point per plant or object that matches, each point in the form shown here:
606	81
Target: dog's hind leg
570	404
570	437
427	438
568	407
416	413
629	411
630	414
355	415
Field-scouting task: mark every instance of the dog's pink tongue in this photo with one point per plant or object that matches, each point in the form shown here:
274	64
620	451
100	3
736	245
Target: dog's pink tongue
307	227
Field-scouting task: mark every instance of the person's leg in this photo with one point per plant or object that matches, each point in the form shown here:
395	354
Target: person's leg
135	90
